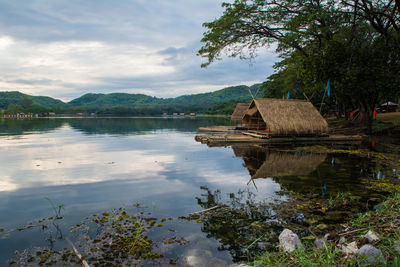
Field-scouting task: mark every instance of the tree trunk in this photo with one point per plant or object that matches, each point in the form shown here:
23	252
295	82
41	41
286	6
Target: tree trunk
366	116
398	101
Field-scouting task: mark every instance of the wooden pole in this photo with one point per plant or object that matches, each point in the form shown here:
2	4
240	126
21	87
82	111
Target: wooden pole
201	211
255	95
306	97
252	96
323	98
84	263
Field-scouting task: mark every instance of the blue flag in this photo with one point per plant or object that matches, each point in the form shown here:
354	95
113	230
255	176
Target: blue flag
328	88
288	95
283	97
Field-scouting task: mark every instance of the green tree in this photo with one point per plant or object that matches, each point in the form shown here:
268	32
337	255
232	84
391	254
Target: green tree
26	102
13	108
353	43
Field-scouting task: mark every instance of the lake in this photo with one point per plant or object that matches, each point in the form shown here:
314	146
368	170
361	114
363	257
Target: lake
73	168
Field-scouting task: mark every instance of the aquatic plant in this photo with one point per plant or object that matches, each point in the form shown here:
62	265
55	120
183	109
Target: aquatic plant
56	207
114	238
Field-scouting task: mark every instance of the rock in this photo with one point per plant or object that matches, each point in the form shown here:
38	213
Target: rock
310	237
379	207
322	226
326	236
289	241
371	236
396	246
319	243
342	240
311	221
370	253
397	222
350	248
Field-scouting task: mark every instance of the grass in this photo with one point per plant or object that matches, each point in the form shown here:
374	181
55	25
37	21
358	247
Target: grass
384	222
383	125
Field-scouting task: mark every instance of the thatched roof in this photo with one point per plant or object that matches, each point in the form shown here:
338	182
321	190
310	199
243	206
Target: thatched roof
286	117
263	162
237	114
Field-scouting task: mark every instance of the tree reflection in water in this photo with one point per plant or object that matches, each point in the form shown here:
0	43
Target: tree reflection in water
315	196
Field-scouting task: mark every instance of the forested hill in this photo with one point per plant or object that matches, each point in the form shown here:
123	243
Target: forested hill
235	93
219	102
114	99
24	100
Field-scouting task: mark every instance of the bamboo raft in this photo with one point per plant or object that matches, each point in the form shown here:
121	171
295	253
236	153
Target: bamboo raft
251	138
219	129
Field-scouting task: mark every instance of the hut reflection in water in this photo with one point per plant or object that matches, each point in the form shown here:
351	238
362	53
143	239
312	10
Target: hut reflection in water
263	162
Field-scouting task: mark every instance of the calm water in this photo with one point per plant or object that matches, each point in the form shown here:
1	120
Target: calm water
96	165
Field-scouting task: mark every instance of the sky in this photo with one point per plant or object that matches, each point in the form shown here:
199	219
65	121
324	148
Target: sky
67	48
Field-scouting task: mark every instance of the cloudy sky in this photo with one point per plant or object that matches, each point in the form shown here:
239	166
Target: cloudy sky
66	48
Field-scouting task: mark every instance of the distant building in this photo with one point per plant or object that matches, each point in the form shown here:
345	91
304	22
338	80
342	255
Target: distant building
175	114
165	114
182	114
192	114
20	115
389	107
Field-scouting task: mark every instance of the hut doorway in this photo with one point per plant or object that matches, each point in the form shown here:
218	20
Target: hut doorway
254	120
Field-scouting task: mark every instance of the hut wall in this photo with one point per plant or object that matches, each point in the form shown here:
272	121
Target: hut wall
255	122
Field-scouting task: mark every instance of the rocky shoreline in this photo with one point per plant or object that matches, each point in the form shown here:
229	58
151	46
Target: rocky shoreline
371	239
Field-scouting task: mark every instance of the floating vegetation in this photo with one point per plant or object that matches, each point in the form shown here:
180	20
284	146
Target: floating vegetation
385	159
115	238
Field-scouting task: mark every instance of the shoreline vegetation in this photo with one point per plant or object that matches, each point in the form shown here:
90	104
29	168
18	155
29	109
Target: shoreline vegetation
343	247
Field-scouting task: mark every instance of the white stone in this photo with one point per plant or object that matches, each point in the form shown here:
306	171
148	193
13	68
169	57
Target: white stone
371	236
319	243
342	240
289	241
350	248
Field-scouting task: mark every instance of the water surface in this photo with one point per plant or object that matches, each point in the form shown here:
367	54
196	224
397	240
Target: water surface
94	165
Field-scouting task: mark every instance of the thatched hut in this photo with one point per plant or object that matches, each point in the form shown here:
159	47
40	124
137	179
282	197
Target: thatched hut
239	111
284	117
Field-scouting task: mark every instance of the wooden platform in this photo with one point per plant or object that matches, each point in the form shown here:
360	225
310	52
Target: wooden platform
242	138
217	129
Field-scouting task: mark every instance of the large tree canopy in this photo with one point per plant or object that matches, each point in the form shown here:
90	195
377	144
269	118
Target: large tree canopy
353	43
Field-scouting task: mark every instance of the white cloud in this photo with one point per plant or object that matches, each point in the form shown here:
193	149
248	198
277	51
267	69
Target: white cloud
67	48
73	64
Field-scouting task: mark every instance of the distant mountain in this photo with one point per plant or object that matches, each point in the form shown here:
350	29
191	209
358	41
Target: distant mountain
234	93
17	98
114	99
219	102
